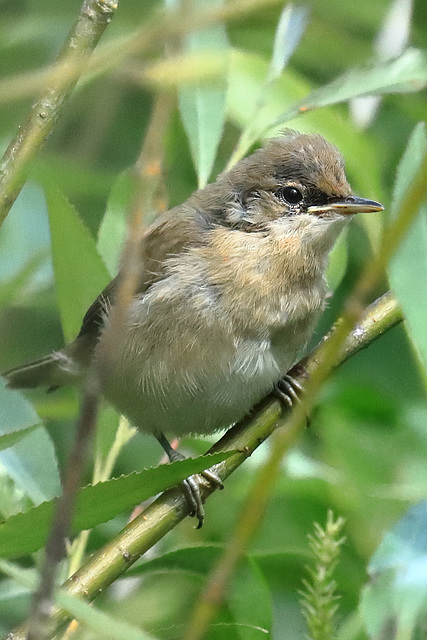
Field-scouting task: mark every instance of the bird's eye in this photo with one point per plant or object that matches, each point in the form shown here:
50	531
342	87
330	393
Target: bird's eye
292	195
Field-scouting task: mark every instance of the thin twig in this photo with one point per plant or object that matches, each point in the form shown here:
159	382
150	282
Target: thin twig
147	175
58	84
39	626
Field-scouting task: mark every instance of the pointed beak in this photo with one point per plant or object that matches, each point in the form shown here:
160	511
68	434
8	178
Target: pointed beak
346	207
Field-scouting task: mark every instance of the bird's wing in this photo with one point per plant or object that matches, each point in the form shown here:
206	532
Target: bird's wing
94	316
168	236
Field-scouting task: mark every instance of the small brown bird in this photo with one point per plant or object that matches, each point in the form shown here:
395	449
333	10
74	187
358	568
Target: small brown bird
231	285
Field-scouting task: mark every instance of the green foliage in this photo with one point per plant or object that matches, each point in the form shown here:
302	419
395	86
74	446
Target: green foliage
364	453
410	262
26	451
407	73
74	262
202	108
17	416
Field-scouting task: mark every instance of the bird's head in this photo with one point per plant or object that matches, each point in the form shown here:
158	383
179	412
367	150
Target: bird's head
295	182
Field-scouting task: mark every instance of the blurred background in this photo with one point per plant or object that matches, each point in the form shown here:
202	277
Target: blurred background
363	455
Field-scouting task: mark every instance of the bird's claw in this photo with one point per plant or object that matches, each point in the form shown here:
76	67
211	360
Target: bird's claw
289	389
191	485
191	489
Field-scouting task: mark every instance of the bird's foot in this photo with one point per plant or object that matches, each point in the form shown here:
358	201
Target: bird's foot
289	389
191	485
191	488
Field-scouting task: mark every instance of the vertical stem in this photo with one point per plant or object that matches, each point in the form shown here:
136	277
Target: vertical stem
41	606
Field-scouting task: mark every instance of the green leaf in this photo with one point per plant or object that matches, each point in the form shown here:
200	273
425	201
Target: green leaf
80	274
255	607
202	108
402	75
32	465
12	438
17	414
26	532
408	269
338	261
112	230
396	597
99	621
290	28
21	284
10	590
248	599
197	559
233	631
26	450
25	247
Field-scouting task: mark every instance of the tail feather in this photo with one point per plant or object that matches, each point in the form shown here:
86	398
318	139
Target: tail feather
54	370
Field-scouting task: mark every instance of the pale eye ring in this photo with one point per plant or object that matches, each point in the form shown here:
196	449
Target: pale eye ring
291	195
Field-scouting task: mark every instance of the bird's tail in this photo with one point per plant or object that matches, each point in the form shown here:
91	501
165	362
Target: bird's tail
54	370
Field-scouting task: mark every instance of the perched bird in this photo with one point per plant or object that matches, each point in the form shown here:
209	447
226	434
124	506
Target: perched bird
231	285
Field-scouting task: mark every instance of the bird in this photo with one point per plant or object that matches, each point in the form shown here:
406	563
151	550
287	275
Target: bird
230	287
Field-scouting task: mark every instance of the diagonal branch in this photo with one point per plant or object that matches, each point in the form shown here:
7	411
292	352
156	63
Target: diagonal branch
171	507
91	23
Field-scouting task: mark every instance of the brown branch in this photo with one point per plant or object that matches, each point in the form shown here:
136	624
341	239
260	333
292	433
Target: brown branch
39	626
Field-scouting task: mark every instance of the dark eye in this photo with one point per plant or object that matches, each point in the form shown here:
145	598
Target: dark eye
292	195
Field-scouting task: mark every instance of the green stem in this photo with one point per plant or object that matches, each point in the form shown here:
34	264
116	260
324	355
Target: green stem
93	18
155	32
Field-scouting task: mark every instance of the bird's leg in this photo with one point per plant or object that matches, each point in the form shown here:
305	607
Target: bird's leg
289	389
190	485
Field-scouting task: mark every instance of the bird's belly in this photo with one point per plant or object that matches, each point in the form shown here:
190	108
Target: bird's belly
215	392
198	372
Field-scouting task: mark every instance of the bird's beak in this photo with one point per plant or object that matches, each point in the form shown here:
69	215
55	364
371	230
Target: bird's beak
347	206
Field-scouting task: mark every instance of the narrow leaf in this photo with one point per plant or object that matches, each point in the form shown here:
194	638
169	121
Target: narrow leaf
80	274
25	264
202	108
16	412
405	74
291	26
112	230
10	439
98	621
394	34
391	41
26	532
249	599
32	465
408	270
26	450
